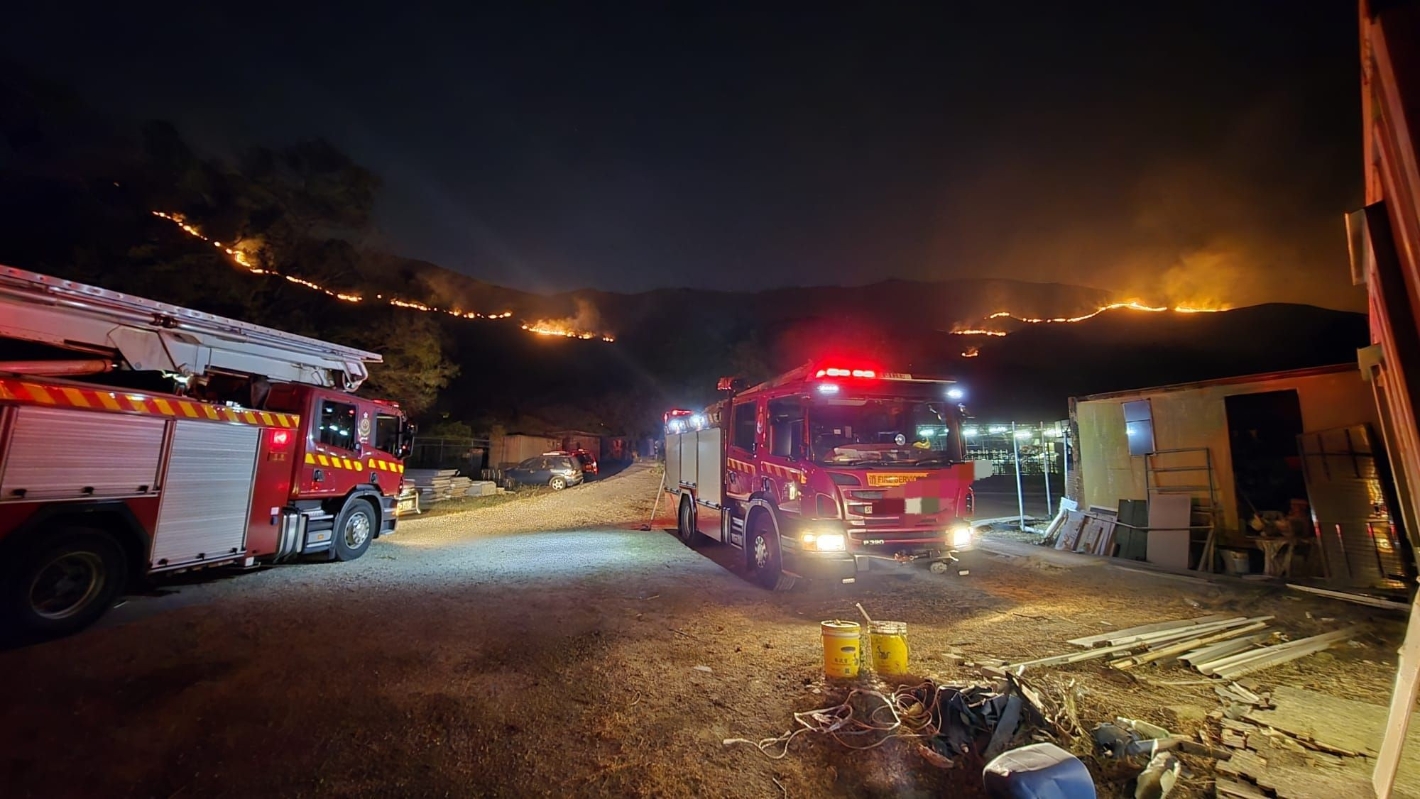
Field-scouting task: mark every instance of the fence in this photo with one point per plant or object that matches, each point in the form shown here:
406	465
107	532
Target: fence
1038	447
468	455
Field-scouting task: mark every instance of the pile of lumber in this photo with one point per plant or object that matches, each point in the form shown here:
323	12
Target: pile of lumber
1299	744
434	485
1217	646
481	488
1075	530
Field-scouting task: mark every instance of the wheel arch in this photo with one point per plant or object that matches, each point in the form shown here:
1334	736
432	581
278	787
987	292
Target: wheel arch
368	494
757	506
112	517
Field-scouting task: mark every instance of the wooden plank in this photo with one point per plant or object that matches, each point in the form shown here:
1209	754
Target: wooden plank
1105	544
1237	790
1398	725
1360	599
1104	638
1221	649
1178	648
1265	658
1135	642
1089	535
1341	724
1070	532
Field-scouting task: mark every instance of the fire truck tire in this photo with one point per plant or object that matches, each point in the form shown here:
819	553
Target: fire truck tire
685	523
765	561
354	529
62	583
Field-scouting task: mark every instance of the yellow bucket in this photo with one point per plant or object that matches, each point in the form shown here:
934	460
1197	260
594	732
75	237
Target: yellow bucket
842	648
888	640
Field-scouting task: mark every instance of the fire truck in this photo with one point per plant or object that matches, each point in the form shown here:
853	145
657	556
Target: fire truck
138	438
824	471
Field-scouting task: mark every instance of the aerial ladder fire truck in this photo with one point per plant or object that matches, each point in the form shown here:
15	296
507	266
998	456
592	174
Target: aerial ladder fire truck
139	438
825	472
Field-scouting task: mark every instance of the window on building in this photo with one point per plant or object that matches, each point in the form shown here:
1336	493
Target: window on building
337	425
744	426
786	427
1139	427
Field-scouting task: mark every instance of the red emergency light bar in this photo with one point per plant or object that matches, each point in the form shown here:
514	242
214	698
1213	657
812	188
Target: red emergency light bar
676	412
838	371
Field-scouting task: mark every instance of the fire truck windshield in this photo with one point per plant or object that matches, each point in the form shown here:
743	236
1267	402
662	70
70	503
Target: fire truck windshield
882	432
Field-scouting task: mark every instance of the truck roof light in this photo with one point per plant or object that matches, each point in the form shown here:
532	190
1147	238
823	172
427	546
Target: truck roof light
839	371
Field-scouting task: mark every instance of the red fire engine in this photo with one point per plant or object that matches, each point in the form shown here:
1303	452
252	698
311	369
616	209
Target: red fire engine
823	471
138	438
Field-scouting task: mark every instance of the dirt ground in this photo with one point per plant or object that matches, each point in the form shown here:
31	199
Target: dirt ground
548	647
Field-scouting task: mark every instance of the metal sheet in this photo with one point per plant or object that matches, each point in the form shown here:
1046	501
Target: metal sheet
61	453
710	465
688	472
672	453
1169	517
1360	540
206	494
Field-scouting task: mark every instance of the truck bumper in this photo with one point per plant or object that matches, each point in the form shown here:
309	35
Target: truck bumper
820	565
840	566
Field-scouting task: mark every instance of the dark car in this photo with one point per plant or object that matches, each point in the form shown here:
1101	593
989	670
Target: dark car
557	471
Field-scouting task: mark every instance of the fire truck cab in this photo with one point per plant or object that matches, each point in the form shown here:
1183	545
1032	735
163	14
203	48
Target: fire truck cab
824	471
139	438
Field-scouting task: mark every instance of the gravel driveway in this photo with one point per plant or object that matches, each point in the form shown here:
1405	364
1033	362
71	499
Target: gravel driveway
546	647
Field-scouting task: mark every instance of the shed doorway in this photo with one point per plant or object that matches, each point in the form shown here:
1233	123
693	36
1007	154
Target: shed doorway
1267	467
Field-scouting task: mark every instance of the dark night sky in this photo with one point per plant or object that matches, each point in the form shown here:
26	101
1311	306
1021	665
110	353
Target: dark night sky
1205	151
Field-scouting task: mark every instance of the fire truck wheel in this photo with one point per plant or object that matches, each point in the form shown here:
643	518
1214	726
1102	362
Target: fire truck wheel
685	523
354	529
64	583
764	558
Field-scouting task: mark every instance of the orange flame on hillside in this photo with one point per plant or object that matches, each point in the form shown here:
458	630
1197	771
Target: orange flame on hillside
554	329
244	261
1132	305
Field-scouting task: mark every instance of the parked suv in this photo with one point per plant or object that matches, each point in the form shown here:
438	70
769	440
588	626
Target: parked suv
556	471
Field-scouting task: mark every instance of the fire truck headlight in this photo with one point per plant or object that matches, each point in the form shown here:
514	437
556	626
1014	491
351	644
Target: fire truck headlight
956	393
962	535
825	542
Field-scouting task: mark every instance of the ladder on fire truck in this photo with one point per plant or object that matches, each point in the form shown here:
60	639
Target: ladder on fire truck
155	336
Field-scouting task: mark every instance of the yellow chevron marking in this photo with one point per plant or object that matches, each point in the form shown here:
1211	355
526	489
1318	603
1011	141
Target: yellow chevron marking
76	397
39	394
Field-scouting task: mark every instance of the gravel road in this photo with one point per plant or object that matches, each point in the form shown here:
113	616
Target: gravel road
547	647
